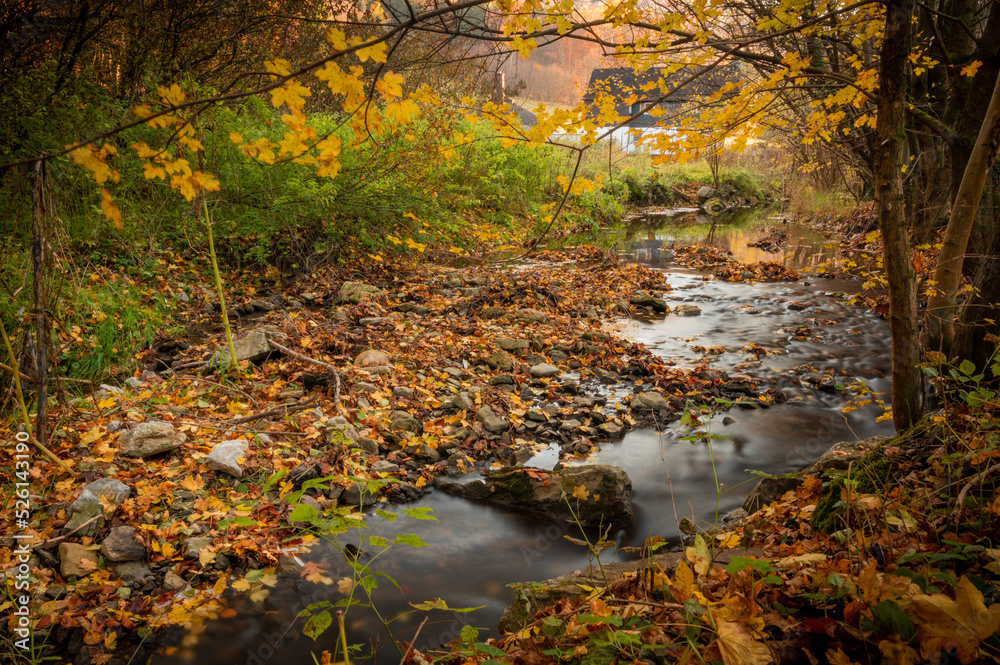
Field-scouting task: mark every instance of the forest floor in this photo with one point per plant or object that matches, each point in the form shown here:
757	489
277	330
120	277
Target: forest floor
192	480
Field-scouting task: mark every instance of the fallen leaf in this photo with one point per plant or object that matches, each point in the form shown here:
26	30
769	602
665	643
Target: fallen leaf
738	647
960	624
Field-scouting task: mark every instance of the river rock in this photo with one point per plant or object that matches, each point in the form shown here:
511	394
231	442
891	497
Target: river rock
372	358
838	457
611	430
121	545
537	595
75	560
132	572
608	490
648	402
88	504
252	347
173	582
491	421
342	432
194	546
384	466
657	304
501	361
687	310
462	402
508	344
545	371
403	421
226	456
533	315
151	438
402	392
706	193
355	292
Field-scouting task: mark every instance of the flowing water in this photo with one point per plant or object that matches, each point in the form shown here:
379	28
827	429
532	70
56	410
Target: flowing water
809	342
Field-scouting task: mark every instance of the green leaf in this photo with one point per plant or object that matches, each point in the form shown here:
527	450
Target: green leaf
889	618
420	513
378	541
242	521
274	477
317	624
488	649
386	515
310	609
967	367
738	563
303	512
411	539
468	633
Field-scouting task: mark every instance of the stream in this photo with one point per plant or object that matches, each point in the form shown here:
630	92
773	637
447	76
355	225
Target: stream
809	343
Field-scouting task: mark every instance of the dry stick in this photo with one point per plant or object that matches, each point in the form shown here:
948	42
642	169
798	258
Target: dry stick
328	366
52	541
278	411
969	487
409	647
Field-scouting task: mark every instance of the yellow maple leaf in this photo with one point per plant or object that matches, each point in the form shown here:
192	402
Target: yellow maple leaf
971	68
205	181
737	646
580	492
377	52
150	171
172	95
960	624
336	39
235	137
390	86
699	555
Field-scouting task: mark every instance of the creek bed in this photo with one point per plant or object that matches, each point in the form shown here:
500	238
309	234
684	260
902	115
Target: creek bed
474	551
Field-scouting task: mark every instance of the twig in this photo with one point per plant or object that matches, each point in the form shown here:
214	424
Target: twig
51	541
957	513
666	606
213	383
409	647
198	363
327	366
279	411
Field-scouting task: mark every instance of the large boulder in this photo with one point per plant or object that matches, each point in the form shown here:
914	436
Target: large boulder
355	292
151	438
252	346
226	456
372	358
706	193
121	545
606	497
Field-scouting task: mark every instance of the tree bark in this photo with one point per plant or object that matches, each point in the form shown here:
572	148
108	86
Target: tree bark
890	134
942	302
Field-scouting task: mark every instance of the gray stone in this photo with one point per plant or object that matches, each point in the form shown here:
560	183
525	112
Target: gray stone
151	438
262	305
364	387
608	489
611	430
545	371
342	432
687	310
657	304
558	355
173	582
463	402
491	421
88	505
367	445
194	546
403	392
508	344
133	382
132	572
403	421
252	347
533	597
533	315
384	466
648	402
501	361
502	379
355	292
606	374
706	193
226	456
428	454
372	358
121	545
75	560
357	494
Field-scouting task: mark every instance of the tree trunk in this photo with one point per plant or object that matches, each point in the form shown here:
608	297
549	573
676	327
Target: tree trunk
890	133
39	214
941	304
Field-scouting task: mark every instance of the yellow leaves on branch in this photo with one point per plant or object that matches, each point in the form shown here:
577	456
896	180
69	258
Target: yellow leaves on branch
95	160
188	184
110	210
